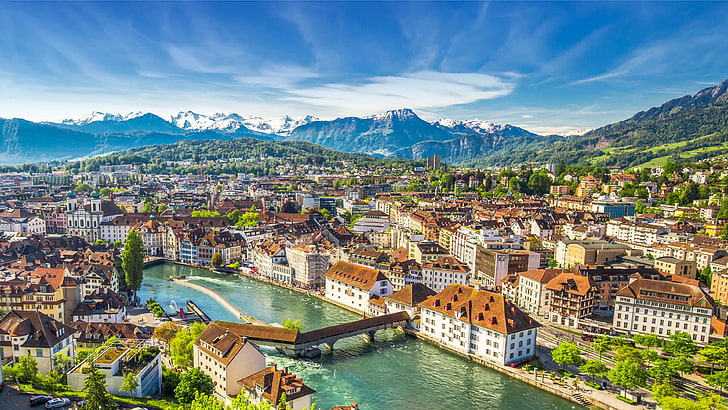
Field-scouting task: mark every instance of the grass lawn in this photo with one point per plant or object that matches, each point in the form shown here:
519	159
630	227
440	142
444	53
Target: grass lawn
134	401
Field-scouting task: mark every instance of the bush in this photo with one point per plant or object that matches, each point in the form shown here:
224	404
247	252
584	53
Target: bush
155	308
593	385
627	400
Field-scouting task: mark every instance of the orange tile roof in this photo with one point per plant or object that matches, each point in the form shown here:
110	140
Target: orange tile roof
571	283
479	307
359	276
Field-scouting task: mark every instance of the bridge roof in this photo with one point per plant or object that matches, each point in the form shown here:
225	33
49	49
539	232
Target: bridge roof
258	332
344	328
283	335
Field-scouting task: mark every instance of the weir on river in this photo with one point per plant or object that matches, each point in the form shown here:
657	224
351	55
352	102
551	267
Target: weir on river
392	372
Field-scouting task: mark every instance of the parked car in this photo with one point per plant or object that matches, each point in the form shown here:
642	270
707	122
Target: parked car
57	403
139	408
38	400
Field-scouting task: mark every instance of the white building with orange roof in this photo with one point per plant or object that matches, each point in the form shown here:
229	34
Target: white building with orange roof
532	294
353	285
479	323
571	298
444	271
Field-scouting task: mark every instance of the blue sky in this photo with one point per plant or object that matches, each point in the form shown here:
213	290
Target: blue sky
545	66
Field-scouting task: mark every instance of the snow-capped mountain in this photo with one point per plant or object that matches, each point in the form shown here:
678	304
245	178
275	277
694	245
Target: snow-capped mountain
101	116
282	126
480	127
232	122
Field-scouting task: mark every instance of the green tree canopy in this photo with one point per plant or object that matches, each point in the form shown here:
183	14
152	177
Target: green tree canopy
594	368
293	324
649	340
180	347
628	374
716	353
216	260
206	402
132	260
83	187
191	383
680	344
567	354
97	398
130	384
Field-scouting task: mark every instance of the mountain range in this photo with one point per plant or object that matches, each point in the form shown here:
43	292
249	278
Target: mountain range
688	128
399	133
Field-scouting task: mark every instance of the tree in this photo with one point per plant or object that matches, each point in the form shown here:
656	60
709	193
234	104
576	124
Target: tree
594	368
249	219
628	374
170	380
84	187
166	331
242	402
718	379
680	344
97	398
325	213
601	345
628	354
716	353
25	369
206	402
566	354
130	384
710	401
191	383
662	372
216	260
661	391
706	275
293	324
180	347
162	207
132	261
649	340
552	263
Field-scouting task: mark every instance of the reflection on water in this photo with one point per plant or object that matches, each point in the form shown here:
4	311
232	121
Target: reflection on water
392	372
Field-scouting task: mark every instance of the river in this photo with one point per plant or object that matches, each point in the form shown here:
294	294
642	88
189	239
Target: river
394	372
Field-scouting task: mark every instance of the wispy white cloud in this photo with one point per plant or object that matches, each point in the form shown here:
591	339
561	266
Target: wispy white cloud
279	76
644	59
418	90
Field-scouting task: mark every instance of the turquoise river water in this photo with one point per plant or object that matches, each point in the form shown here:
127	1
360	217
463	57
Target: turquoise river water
393	372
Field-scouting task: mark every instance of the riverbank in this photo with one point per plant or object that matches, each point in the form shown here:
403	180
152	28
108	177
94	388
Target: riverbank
221	300
580	395
390	372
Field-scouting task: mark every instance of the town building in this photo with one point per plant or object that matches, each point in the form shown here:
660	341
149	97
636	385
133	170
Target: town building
353	285
571	298
660	307
84	218
143	362
271	384
309	264
222	353
25	332
444	271
479	323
